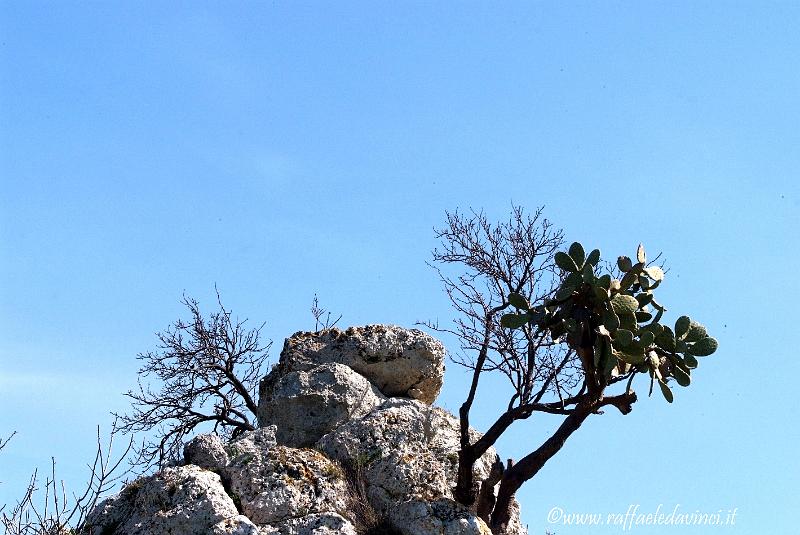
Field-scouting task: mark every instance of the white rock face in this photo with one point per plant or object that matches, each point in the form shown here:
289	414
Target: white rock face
206	451
441	516
405	449
182	500
398	361
279	483
314	524
305	405
238	525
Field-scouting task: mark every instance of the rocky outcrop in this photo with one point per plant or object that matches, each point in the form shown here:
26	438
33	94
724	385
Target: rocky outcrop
405	450
277	484
314	524
206	451
439	516
305	405
348	443
398	361
181	500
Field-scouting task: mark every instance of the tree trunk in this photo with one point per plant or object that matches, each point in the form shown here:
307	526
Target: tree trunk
527	467
466	488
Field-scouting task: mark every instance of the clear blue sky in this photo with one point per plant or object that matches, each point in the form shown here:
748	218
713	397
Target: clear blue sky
280	149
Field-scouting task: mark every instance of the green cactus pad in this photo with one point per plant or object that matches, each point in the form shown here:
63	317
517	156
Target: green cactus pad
624	304
517	301
514	321
632	357
577	254
565	262
703	347
682	326
666	340
665	391
623	338
696	332
681	376
646	338
610	320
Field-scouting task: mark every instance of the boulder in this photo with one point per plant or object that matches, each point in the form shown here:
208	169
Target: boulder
273	484
237	525
438	517
182	500
305	405
206	451
407	454
400	362
405	449
313	524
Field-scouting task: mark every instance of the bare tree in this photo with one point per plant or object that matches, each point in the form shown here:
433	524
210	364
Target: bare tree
560	333
207	371
49	510
511	257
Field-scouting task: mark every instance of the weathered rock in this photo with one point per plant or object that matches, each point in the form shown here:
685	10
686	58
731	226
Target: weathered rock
182	500
438	517
275	484
405	450
254	443
238	525
206	451
305	405
314	524
398	456
400	362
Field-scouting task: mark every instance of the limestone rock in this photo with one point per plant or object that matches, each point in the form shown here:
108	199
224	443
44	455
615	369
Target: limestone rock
182	500
305	405
206	451
314	524
439	517
397	457
400	362
237	525
275	484
405	449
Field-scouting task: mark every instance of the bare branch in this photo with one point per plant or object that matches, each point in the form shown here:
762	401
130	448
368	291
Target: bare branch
5	441
322	317
48	510
513	256
207	369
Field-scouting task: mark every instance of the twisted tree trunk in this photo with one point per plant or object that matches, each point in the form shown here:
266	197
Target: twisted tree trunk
514	476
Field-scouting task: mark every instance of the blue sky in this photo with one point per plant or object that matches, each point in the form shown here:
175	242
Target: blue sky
286	148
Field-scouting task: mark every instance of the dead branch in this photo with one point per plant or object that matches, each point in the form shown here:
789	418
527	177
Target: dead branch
207	370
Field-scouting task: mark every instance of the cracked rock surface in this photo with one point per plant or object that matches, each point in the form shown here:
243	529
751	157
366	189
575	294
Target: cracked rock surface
405	450
181	500
398	361
305	405
276	484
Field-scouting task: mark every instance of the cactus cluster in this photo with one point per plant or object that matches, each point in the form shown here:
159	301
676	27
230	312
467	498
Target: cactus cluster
616	321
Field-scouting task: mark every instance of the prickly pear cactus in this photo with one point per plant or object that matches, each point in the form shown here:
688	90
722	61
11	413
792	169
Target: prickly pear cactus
615	323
